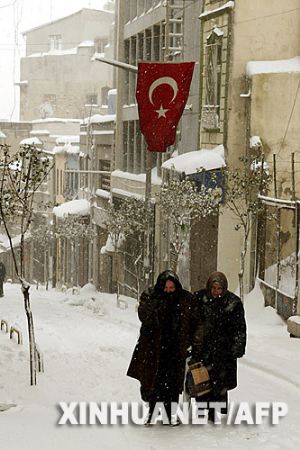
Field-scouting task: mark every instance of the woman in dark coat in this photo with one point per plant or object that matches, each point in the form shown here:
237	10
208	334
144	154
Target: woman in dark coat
168	328
224	339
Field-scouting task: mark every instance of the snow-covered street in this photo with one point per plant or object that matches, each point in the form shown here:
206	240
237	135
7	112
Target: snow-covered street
87	345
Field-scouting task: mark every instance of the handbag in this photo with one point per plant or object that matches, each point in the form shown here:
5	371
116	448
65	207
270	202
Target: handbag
197	380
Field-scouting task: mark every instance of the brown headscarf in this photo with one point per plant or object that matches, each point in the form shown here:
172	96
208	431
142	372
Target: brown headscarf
217	277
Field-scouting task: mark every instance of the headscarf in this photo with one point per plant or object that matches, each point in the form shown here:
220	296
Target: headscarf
217	277
163	277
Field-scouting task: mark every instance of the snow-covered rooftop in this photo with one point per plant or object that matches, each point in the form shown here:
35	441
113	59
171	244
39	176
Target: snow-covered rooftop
31	141
68	139
69	51
228	5
78	207
67	17
66	148
86	44
40	132
55	119
98	118
276	66
200	159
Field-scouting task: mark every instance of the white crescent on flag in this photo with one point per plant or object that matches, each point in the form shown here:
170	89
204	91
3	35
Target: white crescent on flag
163	80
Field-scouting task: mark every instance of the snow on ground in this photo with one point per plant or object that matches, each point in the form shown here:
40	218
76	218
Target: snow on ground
87	343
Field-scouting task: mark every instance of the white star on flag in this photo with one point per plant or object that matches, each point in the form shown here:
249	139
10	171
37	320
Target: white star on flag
161	111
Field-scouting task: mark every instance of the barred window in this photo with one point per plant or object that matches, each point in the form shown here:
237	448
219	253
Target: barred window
55	42
213	66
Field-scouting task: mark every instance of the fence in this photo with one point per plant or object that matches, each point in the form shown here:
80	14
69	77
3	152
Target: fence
278	253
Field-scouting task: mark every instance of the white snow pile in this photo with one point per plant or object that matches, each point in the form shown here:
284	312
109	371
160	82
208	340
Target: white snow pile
287	280
295	319
79	207
291	65
255	142
16	165
86	297
65	144
109	246
257	313
66	148
103	194
141	177
31	141
256	166
191	162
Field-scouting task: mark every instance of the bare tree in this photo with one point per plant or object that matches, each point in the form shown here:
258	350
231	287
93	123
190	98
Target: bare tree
21	176
43	236
182	202
124	220
243	184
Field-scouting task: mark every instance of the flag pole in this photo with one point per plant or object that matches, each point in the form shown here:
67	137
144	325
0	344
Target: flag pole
149	163
147	265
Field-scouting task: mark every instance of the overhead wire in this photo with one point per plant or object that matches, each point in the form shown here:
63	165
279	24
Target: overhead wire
8	4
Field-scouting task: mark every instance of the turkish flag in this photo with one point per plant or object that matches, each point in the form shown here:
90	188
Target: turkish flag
162	92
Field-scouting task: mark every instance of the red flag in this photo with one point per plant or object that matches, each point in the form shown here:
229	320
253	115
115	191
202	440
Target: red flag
162	92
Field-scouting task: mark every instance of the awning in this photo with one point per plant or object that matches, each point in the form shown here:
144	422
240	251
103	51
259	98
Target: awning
198	160
76	207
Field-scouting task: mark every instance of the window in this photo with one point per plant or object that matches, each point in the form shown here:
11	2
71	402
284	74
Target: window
104	178
48	106
104	95
213	66
55	42
100	45
91	99
50	98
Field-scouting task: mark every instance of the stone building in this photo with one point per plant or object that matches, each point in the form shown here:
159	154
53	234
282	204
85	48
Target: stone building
97	146
58	77
249	60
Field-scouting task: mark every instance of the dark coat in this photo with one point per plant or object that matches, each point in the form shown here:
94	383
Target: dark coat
224	337
168	328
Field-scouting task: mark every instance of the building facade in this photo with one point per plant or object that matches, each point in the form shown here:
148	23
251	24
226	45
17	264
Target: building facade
58	77
221	109
240	88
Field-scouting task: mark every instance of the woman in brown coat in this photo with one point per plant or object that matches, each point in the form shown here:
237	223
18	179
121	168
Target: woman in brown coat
225	337
168	328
